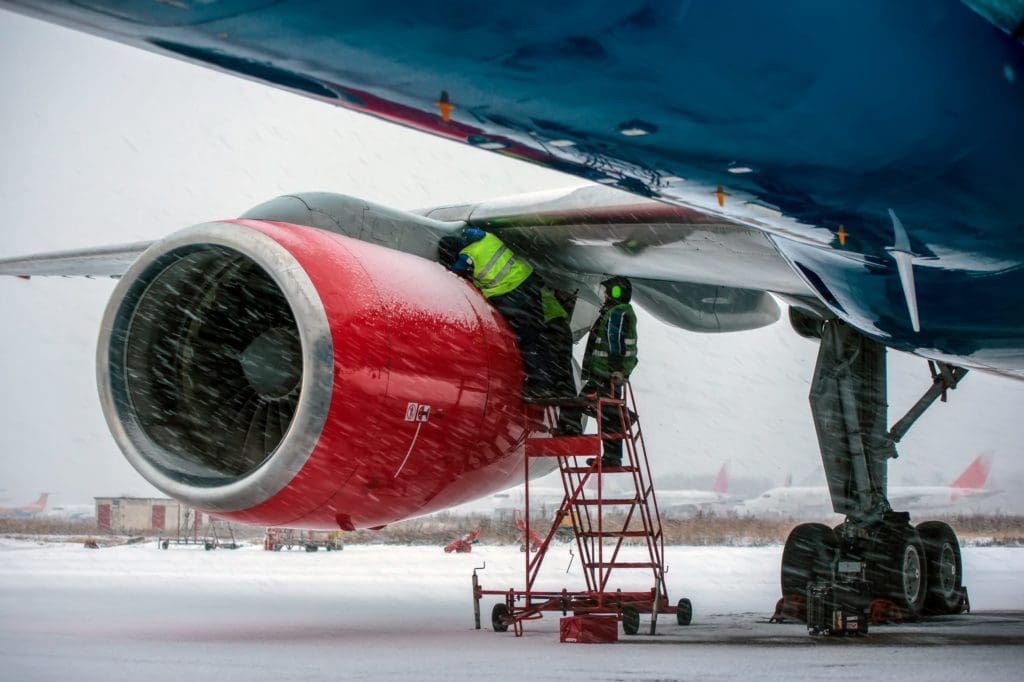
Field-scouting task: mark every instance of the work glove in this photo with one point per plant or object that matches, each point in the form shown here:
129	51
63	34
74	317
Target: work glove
463	265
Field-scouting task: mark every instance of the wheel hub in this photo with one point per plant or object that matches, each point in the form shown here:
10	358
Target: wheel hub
947	570
911	573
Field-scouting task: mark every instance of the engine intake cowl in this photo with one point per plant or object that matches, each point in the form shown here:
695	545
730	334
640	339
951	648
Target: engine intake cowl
278	374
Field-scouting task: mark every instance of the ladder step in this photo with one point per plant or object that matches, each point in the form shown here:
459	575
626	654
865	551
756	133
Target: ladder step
563	446
617	534
607	501
607	470
620	564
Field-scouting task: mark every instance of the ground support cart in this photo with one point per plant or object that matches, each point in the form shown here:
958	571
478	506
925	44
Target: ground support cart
277	539
187	533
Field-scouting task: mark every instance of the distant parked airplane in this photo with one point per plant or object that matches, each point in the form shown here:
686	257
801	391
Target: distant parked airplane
30	509
676	503
812	501
72	512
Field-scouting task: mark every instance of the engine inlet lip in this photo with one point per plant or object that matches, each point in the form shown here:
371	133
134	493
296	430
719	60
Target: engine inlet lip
302	435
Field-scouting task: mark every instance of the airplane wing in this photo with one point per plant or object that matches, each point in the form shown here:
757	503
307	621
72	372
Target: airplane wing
102	261
940	499
902	500
886	179
693	270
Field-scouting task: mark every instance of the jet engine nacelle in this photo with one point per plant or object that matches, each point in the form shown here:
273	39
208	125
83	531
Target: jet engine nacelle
284	375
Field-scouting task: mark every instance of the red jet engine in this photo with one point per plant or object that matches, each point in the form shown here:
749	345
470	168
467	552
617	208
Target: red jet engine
277	374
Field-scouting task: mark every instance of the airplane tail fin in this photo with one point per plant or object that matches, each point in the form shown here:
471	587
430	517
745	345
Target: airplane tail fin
975	475
37	506
722	480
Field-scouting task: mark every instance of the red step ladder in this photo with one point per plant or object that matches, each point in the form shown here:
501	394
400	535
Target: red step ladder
602	525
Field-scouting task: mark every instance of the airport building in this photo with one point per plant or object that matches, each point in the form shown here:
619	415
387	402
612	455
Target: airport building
145	514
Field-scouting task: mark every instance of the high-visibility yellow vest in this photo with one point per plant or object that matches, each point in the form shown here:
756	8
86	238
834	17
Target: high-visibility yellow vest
496	270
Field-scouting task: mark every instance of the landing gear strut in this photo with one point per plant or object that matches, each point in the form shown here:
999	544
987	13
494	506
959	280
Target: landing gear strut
875	561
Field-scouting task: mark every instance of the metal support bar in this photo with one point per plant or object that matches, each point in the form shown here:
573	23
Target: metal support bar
944	378
855	444
476	595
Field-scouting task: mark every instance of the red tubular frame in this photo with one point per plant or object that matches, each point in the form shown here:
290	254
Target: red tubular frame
598	542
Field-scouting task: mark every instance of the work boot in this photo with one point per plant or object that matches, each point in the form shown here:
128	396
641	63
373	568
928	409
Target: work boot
534	392
606	461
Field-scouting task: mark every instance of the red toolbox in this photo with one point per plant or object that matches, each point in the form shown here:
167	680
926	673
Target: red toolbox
589	629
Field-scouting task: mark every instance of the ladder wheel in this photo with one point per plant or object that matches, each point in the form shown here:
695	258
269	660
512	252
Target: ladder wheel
500	618
684	612
630	620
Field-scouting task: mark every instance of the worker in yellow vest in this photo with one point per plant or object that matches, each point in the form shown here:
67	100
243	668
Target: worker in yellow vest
558	338
510	285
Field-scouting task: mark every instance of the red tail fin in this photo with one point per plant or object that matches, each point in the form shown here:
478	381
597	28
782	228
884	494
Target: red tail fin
975	475
722	480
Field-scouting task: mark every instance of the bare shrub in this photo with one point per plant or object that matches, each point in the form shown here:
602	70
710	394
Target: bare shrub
705	529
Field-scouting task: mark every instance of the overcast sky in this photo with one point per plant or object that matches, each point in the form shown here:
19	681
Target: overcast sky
106	144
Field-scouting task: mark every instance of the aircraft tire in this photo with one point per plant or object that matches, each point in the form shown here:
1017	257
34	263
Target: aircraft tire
808	556
945	568
500	617
898	568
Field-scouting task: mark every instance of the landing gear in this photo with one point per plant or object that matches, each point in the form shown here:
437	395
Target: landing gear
875	559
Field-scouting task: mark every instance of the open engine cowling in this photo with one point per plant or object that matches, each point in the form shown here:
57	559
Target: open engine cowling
284	375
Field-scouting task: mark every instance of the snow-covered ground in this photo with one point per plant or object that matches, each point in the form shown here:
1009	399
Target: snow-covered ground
383	613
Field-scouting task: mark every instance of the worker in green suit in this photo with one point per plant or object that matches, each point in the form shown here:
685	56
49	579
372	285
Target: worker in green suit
610	358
